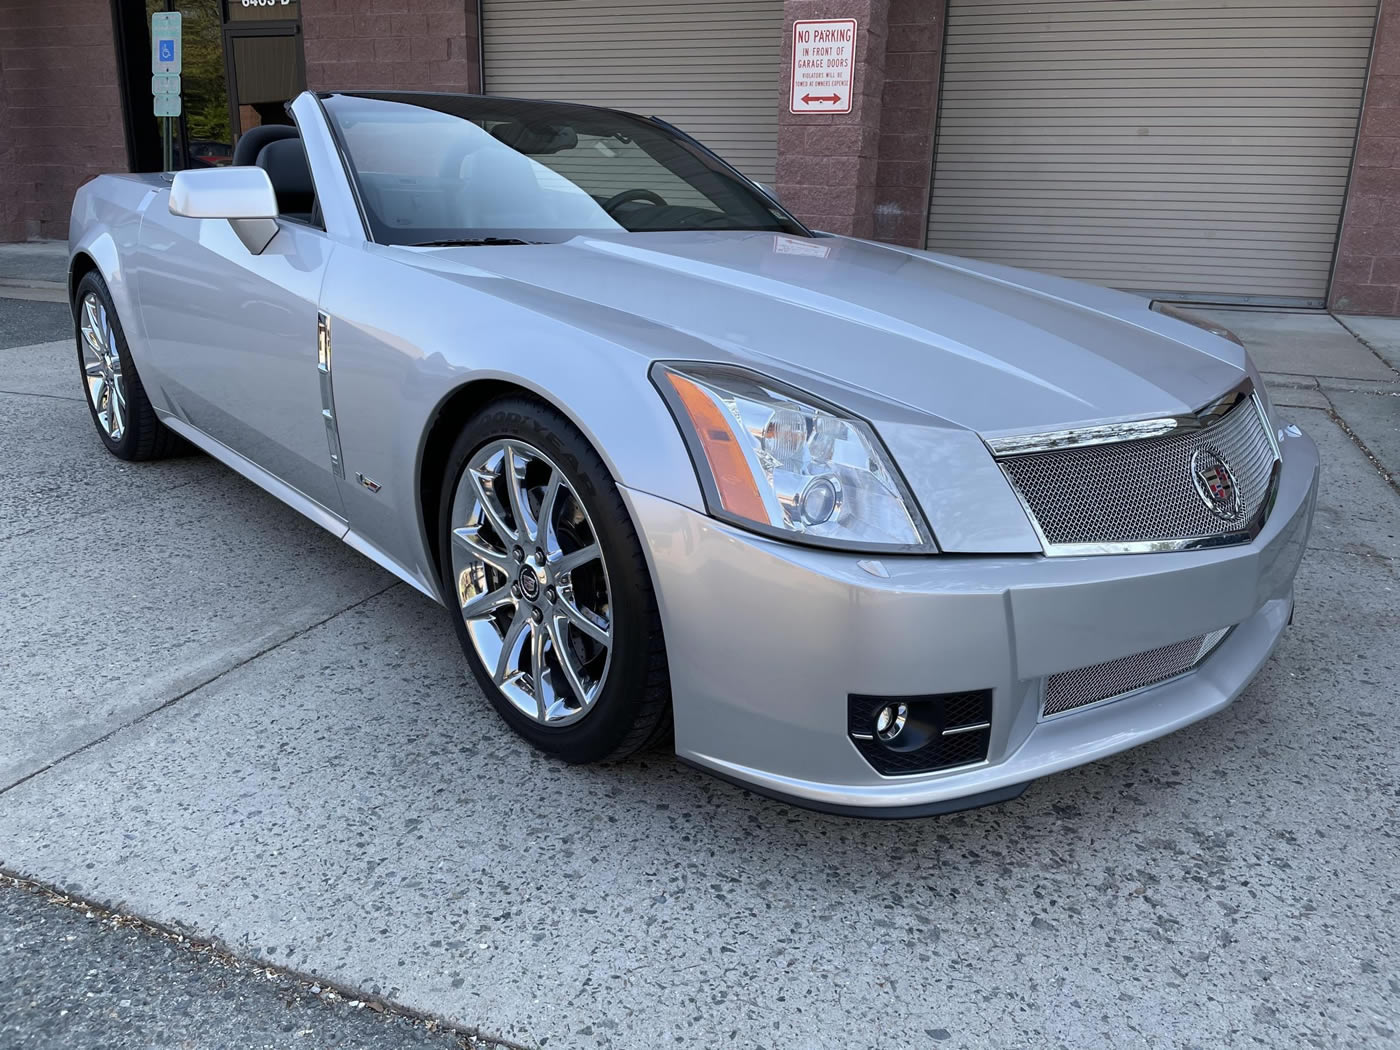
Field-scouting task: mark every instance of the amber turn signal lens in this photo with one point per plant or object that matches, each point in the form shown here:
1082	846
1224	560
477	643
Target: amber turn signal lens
738	491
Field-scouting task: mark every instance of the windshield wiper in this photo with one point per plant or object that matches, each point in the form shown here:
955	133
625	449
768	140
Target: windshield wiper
469	243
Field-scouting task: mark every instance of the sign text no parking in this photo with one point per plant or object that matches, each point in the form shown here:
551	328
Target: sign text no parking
823	65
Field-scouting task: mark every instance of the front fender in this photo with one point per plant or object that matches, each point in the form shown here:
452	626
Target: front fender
404	342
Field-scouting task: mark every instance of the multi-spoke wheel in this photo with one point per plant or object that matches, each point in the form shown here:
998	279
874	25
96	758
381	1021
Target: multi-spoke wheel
548	587
125	420
531	582
102	366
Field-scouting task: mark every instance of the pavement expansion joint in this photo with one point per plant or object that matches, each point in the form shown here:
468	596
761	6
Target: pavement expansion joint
196	688
1375	461
1366	343
320	987
36	393
175	486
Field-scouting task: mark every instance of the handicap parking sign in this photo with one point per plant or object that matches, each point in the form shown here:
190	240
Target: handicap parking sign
165	42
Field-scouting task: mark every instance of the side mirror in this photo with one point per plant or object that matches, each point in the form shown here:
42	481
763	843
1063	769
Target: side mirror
772	193
243	195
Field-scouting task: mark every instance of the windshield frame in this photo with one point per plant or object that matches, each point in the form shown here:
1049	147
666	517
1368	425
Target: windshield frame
787	223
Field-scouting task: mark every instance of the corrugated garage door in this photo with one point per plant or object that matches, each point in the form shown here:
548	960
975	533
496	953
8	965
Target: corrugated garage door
1175	146
712	68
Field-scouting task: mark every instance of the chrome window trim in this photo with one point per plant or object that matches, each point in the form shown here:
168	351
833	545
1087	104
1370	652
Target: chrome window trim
1209	415
351	183
341	216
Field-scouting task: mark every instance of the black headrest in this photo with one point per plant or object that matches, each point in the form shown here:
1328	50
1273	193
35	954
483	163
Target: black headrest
285	164
536	138
252	141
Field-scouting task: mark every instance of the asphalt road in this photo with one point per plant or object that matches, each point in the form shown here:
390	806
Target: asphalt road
219	718
23	321
74	979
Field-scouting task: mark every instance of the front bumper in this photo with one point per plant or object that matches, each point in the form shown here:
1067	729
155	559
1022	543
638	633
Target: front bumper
767	640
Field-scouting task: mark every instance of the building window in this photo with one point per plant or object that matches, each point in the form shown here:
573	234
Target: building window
241	63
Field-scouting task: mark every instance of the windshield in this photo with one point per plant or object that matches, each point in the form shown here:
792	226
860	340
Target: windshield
449	168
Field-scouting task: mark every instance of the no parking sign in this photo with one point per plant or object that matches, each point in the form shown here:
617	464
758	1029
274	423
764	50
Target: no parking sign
823	65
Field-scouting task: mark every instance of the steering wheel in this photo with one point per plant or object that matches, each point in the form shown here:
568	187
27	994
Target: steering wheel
626	196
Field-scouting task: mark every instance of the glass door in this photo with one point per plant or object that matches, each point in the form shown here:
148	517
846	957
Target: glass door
263	52
203	134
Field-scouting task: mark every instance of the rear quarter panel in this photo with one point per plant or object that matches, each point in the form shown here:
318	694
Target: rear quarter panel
104	226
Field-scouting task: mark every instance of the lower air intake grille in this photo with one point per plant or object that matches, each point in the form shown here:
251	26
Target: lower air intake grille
1070	690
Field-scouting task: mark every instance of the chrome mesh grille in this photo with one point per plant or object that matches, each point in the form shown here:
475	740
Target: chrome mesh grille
1142	491
1069	690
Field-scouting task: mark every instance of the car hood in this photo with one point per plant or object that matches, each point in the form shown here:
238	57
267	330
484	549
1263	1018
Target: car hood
983	347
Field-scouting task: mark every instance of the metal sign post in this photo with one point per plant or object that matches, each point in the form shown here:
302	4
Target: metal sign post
165	77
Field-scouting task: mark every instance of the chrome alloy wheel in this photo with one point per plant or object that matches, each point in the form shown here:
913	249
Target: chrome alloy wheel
531	582
102	367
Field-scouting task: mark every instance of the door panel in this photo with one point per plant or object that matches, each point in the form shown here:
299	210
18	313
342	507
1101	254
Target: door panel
232	340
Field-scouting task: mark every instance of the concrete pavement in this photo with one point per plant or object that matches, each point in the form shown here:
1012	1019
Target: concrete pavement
225	722
112	609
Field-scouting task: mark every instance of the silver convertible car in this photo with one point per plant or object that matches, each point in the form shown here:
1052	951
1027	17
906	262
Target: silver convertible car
869	529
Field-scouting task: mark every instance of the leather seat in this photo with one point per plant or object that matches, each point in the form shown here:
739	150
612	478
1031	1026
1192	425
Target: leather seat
284	160
252	141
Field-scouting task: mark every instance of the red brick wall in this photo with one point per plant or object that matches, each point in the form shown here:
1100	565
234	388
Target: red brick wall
866	173
913	58
60	110
827	162
420	45
1367	275
11	228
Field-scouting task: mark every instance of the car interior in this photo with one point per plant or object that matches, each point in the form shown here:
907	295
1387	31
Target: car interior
277	149
505	180
551	180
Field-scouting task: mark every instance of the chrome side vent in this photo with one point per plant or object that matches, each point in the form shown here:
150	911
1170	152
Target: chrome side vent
323	365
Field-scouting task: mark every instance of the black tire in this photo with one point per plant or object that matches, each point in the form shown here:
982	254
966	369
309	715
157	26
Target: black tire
144	436
633	710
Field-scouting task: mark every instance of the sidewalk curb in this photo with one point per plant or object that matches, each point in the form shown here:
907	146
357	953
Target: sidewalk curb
189	939
36	291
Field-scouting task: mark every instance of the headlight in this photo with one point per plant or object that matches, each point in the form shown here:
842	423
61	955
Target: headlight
784	463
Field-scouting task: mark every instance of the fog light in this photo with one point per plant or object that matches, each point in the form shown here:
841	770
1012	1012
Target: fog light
889	723
908	735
